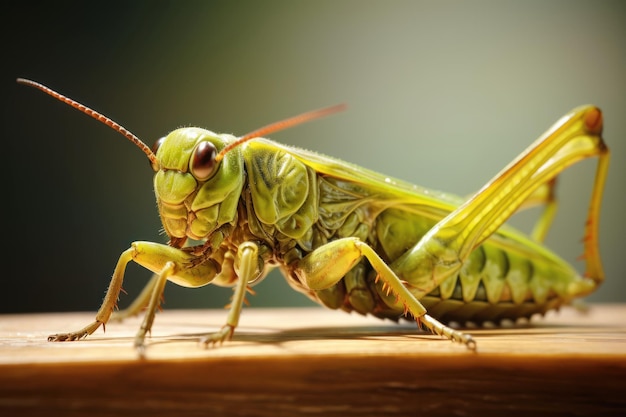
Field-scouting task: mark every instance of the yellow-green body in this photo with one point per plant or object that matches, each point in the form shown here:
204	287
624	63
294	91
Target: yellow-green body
352	239
291	201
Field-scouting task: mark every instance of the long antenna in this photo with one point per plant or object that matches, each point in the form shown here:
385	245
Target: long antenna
281	125
98	116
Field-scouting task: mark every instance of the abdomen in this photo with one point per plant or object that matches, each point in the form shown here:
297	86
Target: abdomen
502	279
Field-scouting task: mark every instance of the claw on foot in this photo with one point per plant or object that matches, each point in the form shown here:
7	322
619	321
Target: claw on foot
140	348
225	333
67	337
72	336
449	333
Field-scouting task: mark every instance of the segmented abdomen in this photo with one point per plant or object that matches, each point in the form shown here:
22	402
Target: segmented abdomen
493	284
502	279
491	291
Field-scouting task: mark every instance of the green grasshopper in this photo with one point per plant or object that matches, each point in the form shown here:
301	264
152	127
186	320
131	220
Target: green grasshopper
353	239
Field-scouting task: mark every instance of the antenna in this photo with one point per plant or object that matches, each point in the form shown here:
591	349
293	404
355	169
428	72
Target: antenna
98	116
282	125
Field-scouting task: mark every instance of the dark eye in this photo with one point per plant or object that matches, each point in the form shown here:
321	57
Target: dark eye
202	163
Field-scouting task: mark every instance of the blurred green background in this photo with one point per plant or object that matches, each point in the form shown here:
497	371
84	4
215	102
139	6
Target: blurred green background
442	94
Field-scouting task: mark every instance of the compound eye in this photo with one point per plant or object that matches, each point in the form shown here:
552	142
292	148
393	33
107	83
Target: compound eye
202	164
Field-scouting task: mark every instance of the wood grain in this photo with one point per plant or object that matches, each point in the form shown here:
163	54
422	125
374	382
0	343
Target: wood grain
314	361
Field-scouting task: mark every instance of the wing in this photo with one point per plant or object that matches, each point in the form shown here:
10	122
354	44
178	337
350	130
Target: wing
385	185
411	197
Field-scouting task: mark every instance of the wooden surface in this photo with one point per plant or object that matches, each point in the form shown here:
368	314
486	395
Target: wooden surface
314	362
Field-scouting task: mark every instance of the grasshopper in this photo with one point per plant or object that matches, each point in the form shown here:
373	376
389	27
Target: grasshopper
350	238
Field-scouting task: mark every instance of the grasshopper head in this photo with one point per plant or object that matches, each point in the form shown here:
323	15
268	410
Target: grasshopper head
198	174
196	192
